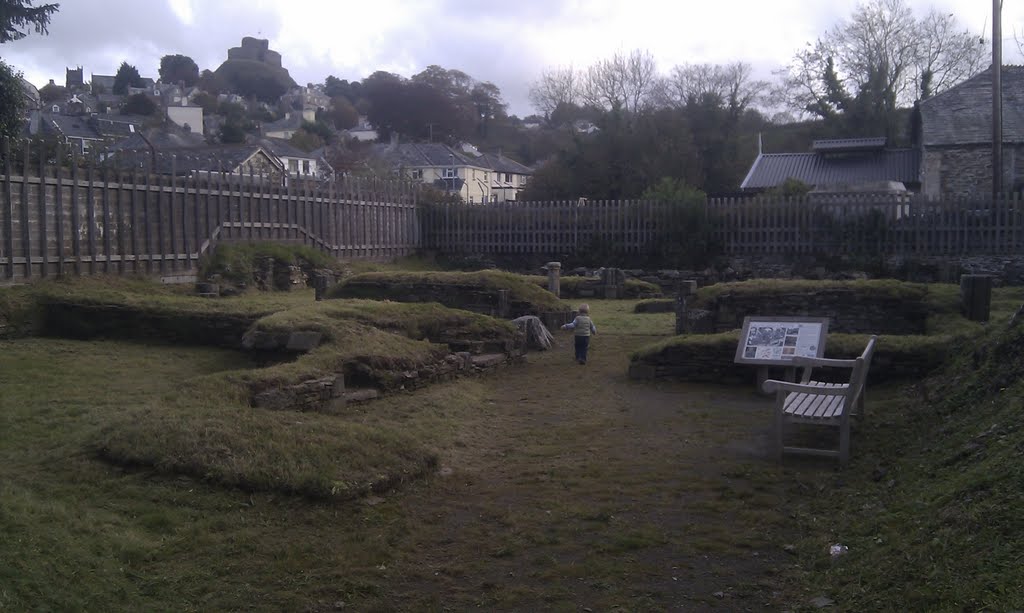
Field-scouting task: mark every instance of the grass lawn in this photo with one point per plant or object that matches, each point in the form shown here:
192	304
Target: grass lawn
552	486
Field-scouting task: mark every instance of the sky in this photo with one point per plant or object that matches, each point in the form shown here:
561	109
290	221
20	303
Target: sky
507	43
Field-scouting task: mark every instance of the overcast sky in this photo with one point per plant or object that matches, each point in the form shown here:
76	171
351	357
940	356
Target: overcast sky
507	43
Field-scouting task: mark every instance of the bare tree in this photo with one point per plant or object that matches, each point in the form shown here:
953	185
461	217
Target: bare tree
730	86
946	56
629	82
555	87
801	87
883	51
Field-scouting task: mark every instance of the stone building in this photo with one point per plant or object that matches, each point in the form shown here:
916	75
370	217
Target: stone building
256	50
956	137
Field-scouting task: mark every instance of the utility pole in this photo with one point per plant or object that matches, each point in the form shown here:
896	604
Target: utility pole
997	98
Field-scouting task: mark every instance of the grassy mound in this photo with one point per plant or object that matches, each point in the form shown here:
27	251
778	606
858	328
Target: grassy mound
931	509
574	286
525	297
372	342
655	305
238	263
880	288
205	427
315	456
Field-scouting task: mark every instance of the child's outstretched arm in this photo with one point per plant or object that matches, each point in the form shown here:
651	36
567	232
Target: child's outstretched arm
569	326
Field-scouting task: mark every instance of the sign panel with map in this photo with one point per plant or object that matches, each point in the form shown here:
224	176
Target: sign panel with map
777	340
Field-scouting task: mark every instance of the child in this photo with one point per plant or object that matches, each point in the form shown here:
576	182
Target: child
584	327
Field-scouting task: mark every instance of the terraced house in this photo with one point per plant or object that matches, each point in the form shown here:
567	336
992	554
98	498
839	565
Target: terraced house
476	177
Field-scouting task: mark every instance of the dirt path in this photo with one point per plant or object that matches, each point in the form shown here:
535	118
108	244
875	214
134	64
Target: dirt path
576	489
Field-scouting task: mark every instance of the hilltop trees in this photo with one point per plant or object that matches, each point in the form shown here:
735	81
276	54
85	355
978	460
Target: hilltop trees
179	69
126	76
436	104
694	126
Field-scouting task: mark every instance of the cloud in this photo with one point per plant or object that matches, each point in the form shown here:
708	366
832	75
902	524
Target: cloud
509	44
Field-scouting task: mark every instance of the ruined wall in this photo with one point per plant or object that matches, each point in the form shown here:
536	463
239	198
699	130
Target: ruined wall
848	310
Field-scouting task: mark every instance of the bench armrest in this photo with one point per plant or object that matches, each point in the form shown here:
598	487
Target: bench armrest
806	362
774	385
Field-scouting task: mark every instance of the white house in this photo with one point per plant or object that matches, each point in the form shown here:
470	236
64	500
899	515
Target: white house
187	116
476	178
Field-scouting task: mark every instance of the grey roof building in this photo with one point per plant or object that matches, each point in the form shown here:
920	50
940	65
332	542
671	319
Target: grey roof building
837	163
956	135
477	177
415	155
186	161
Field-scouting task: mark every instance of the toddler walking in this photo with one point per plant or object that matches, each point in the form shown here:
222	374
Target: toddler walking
584	327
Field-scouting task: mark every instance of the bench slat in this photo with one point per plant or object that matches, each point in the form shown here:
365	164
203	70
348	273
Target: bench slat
821	402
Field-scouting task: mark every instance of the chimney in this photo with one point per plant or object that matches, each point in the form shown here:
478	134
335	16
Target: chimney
394	140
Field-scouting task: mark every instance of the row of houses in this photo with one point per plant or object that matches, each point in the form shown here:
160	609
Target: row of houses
953	155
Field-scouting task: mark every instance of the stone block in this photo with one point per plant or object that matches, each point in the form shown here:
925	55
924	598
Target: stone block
361	395
488	360
303	340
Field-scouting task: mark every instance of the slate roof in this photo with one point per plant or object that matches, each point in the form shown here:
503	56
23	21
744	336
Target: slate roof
500	163
185	160
293	121
104	81
283	148
108	126
412	155
73	127
962	115
772	169
159	139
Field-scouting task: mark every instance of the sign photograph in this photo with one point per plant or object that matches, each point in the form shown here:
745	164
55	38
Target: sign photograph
777	340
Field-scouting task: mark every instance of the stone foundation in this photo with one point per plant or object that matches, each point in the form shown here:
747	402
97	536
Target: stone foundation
848	310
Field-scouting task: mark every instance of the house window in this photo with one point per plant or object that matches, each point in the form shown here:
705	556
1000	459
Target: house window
508	177
305	167
487	176
293	166
417	174
449	173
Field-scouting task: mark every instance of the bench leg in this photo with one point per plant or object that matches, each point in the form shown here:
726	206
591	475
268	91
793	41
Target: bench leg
844	444
779	421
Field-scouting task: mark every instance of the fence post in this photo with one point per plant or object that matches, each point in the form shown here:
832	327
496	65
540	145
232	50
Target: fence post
975	296
554	278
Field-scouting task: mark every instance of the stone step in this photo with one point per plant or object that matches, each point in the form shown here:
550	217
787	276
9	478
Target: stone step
361	395
488	360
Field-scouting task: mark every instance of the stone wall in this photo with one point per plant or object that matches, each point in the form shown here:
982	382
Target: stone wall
966	171
713	363
477	299
1005	269
81	320
848	310
330	395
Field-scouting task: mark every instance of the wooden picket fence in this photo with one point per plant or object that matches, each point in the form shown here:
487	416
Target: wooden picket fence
840	225
61	214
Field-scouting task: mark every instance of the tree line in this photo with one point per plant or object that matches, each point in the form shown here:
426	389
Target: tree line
699	124
616	128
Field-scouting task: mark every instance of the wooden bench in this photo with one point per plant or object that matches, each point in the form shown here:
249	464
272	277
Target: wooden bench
821	403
